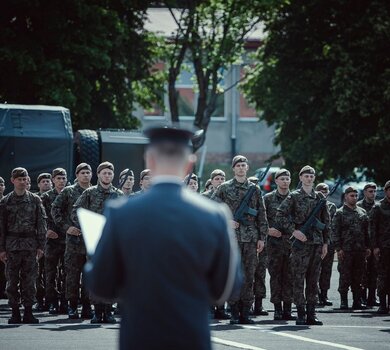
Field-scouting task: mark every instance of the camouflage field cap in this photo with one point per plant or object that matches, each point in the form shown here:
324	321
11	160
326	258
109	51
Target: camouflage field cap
350	189
19	172
322	187
387	185
43	176
282	172
105	165
217	172
145	172
239	159
307	169
124	172
370	185
83	166
58	171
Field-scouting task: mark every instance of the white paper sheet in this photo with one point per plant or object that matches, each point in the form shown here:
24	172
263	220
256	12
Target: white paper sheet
92	225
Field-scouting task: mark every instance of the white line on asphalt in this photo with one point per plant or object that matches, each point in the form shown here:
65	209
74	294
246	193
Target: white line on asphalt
235	344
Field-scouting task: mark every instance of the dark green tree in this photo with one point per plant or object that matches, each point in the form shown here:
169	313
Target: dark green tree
323	80
84	55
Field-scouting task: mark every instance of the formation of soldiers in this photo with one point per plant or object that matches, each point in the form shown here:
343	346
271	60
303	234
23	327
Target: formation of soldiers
43	250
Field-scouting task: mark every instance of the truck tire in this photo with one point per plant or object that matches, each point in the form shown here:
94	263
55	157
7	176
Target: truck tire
87	149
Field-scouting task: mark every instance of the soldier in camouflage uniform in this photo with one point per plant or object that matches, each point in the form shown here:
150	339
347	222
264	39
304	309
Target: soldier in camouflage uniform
94	199
370	270
250	236
22	238
2	266
279	250
380	241
307	251
75	253
55	249
351	242
327	262
145	181
127	187
192	183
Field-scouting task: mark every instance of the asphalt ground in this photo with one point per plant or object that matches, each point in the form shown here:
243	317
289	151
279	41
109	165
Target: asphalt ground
350	330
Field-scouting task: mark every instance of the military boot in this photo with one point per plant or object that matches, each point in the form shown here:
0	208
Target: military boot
357	302
301	318
287	313
220	313
15	317
28	316
98	316
343	301
278	313
383	309
244	316
86	311
258	309
73	313
371	300
235	314
311	318
53	308
324	298
107	315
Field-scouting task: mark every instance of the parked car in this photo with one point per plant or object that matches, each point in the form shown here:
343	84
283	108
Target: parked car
267	184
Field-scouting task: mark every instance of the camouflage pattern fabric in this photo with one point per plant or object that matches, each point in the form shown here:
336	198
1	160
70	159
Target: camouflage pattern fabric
384	273
55	272
259	287
351	271
47	200
74	262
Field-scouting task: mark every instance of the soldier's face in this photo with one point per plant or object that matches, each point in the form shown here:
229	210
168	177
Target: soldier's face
387	193
2	188
351	198
106	176
283	182
84	176
370	194
45	185
217	180
20	183
307	179
193	185
146	182
129	183
240	169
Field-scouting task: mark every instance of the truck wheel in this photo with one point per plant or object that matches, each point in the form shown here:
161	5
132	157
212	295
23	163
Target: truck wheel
87	149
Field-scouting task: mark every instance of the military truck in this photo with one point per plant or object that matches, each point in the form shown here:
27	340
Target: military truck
40	138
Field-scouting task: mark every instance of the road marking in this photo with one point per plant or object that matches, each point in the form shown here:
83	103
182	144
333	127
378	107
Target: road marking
235	344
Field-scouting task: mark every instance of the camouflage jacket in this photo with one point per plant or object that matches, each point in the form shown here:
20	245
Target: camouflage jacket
22	222
207	194
93	198
350	229
366	205
47	201
380	224
295	210
232	192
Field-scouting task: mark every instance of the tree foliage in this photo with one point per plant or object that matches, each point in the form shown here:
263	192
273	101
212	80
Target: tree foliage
84	55
323	80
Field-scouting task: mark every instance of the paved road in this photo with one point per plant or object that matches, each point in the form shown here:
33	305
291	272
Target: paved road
342	330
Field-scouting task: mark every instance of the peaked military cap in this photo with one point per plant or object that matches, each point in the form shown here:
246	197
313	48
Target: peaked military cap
124	172
370	185
105	165
42	176
282	172
387	185
58	171
322	187
160	134
83	166
239	159
217	172
350	189
307	169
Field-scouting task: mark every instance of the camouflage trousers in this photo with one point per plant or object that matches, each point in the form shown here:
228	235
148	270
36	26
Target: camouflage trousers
370	273
351	271
384	272
55	272
3	280
74	261
41	280
21	271
259	288
279	268
305	263
248	252
326	269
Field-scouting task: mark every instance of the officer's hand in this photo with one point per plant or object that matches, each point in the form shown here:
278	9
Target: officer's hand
368	253
324	251
300	236
74	231
235	224
51	234
340	255
260	246
377	253
3	257
39	253
274	232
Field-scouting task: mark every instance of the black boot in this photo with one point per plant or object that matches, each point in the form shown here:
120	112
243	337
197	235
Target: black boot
98	316
28	316
73	313
63	309
220	313
343	301
324	298
235	311
278	313
86	311
244	316
363	296
301	318
357	302
371	300
15	317
53	308
107	316
311	318
259	310
287	314
383	309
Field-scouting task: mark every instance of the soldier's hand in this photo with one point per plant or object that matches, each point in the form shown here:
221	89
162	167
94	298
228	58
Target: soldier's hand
274	232
377	253
340	255
51	234
235	224
260	246
74	231
299	236
368	253
324	251
3	257
39	253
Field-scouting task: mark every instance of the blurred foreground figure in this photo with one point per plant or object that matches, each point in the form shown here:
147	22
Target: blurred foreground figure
176	257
